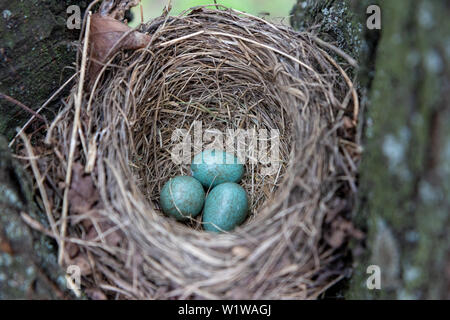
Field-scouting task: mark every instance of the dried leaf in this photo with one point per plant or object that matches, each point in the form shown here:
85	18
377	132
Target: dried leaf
96	294
107	37
117	8
83	263
92	155
336	239
348	123
83	194
72	250
340	231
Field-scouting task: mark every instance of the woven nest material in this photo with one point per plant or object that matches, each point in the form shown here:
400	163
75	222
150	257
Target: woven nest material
228	70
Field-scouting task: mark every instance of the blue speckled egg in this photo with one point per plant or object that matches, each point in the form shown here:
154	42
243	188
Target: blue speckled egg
226	207
213	167
182	197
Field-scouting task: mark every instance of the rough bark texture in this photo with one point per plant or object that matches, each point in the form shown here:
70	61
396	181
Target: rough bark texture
36	54
28	266
334	20
405	177
405	174
35	49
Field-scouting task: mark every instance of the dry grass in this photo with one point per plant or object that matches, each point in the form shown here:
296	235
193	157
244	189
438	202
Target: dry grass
231	71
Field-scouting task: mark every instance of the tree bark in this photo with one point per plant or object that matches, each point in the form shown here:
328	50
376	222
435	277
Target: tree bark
404	201
28	266
36	54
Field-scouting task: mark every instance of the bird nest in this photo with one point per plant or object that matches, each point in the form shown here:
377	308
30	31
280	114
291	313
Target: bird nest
206	77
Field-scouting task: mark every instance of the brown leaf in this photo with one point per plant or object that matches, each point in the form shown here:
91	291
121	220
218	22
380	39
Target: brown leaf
340	231
351	231
72	249
117	8
107	37
348	123
95	294
83	263
336	239
83	194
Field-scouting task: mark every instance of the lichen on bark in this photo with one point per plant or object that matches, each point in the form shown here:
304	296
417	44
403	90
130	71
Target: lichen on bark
28	266
404	173
36	54
333	20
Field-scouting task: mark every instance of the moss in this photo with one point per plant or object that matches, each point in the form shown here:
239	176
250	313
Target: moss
35	50
399	173
334	21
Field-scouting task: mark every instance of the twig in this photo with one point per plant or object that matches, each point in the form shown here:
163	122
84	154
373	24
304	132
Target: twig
171	42
73	141
24	107
46	278
284	54
338	51
38	177
36	225
41	108
349	83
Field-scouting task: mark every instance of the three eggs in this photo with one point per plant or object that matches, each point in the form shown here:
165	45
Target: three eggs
225	206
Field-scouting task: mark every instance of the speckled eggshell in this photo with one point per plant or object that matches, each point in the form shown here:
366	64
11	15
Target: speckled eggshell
226	207
182	197
213	167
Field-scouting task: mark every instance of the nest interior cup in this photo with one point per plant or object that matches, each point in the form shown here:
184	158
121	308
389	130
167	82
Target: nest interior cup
226	71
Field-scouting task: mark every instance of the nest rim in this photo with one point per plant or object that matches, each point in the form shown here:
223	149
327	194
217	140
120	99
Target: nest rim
230	262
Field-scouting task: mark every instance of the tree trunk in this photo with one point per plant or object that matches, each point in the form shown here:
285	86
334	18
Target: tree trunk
404	201
28	267
36	51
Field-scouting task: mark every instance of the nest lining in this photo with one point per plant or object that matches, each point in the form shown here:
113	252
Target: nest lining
231	71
